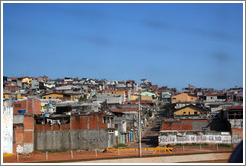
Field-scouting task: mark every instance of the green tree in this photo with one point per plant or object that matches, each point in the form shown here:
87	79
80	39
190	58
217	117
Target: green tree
83	97
150	113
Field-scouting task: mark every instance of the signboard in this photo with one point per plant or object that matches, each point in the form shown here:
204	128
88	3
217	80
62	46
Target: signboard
195	139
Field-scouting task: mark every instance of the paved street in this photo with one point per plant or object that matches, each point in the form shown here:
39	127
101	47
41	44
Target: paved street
150	137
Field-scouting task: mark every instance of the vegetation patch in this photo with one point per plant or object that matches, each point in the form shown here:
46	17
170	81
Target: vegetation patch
121	146
224	145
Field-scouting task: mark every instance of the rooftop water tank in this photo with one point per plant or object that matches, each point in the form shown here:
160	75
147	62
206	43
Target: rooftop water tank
46	115
21	111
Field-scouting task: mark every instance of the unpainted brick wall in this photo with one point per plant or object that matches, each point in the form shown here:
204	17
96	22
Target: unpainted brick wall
65	126
101	124
176	126
56	127
166	126
30	105
18	138
187	126
36	106
77	123
28	136
20	105
18	134
237	131
47	127
28	122
39	127
93	123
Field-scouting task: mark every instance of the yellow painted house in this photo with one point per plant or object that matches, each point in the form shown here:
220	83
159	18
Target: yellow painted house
14	96
70	97
27	80
183	97
115	92
134	97
74	97
53	96
189	110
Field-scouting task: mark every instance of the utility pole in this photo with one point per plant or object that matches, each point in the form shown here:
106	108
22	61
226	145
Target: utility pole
139	127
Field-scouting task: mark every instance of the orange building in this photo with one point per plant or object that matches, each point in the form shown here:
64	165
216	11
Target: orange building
183	97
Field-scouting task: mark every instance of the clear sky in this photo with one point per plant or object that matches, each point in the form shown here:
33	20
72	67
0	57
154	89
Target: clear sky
169	44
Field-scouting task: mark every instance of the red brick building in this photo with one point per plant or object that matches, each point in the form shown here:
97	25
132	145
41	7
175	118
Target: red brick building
66	132
23	125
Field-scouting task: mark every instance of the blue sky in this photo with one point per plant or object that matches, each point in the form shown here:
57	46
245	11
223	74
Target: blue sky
169	44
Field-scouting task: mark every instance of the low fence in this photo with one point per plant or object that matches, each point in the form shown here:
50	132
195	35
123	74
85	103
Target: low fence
47	156
165	149
196	148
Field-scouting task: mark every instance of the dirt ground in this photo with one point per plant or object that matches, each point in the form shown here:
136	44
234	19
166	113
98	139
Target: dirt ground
88	155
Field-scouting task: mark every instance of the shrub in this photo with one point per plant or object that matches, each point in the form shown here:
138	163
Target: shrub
224	145
121	146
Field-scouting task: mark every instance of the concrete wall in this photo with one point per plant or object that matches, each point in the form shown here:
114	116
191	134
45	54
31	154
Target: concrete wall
236	123
111	98
18	118
28	148
7	129
71	139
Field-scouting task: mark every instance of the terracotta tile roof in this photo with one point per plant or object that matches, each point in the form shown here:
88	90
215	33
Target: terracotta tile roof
214	94
236	108
125	109
146	102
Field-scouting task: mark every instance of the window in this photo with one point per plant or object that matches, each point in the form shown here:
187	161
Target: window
104	120
49	97
17	105
184	113
174	98
195	113
44	97
189	113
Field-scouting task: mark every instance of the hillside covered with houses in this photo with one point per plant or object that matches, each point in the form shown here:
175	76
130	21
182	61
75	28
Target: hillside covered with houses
71	113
